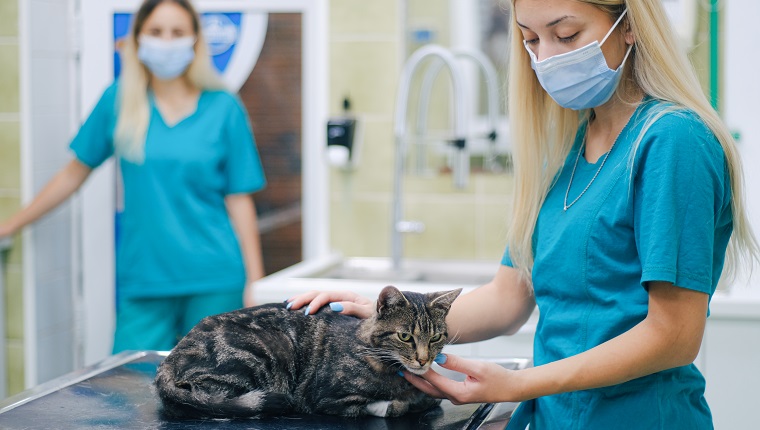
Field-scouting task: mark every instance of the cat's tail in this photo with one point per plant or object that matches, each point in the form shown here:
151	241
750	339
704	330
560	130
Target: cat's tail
191	402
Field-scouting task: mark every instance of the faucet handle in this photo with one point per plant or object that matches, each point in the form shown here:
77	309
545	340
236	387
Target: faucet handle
410	226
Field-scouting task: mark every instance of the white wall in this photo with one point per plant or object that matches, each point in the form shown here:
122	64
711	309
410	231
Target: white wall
741	91
48	118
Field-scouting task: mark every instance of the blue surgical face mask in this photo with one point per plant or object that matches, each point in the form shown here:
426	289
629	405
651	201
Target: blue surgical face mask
166	59
579	79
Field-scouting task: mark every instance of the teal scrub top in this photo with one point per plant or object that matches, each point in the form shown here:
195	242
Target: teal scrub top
175	235
665	217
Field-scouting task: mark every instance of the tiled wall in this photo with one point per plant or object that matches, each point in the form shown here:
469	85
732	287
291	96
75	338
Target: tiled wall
367	48
10	189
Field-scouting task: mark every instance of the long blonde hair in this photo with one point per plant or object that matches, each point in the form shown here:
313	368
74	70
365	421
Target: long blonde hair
134	109
543	132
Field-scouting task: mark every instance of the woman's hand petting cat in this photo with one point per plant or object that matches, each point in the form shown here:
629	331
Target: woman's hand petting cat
344	302
485	383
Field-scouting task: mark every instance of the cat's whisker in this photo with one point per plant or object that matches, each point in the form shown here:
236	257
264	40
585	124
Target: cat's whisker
453	339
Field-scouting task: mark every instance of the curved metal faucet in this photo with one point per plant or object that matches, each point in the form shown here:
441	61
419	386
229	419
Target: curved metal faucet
492	91
398	225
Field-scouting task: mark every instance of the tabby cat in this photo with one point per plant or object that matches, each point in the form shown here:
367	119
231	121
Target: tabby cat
268	360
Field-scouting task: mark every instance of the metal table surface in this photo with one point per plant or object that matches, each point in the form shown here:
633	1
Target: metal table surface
118	394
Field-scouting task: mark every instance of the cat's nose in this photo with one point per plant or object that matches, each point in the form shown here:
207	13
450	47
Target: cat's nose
422	361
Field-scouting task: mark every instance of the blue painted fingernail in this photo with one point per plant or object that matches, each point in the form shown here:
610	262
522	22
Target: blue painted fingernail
336	307
306	312
440	359
289	305
400	373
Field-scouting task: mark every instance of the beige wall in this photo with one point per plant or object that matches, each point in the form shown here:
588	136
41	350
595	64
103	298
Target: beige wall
10	188
367	46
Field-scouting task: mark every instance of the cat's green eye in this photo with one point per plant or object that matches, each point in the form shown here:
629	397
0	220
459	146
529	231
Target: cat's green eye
435	338
405	337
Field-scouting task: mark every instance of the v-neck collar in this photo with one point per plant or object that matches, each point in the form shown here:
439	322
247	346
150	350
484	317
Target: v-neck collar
630	124
154	106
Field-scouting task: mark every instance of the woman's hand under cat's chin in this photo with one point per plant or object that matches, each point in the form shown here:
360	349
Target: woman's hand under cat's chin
344	302
485	382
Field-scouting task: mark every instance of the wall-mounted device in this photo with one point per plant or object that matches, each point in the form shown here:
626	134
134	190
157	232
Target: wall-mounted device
341	131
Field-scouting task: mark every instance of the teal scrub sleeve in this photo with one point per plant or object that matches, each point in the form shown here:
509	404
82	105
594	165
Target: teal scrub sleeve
681	203
506	260
93	143
244	171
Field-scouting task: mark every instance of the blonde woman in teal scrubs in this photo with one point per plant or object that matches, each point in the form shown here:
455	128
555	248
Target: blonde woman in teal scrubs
188	241
628	208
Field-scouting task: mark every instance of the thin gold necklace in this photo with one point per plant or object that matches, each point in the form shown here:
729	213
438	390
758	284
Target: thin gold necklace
580	151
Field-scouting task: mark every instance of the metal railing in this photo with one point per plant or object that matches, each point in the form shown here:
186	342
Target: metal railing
5	244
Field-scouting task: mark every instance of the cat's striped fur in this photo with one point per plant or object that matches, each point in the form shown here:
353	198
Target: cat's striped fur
268	360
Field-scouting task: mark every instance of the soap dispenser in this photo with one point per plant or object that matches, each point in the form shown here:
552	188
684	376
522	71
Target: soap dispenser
341	149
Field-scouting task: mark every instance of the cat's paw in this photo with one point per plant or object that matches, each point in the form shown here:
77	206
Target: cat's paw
379	409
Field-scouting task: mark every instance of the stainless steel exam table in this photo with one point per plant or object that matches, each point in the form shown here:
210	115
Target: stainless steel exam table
117	393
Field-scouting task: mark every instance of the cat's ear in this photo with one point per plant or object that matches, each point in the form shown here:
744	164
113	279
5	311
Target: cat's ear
390	297
443	299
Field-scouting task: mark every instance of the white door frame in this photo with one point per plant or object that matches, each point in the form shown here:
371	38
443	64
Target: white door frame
98	271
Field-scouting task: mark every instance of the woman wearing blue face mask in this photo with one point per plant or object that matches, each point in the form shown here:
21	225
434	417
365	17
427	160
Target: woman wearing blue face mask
628	207
188	240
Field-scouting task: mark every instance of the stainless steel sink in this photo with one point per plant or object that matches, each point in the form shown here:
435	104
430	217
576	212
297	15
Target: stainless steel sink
368	275
416	271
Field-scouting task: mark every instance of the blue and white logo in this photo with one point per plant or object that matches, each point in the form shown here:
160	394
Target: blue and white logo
234	40
220	32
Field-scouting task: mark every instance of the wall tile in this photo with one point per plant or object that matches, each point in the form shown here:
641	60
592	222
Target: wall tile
14	300
493	222
360	227
499	185
9	78
437	183
8	18
450	229
9	204
351	17
15	350
367	73
429	15
10	156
